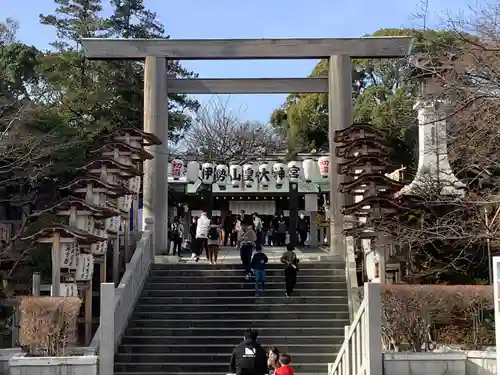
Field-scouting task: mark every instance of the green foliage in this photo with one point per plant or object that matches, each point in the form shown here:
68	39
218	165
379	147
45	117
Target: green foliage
8	31
18	64
384	92
74	20
53	104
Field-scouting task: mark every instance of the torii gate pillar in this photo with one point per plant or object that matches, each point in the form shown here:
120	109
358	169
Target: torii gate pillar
155	185
339	117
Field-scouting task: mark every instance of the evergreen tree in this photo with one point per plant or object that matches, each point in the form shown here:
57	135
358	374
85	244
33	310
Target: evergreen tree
74	20
130	19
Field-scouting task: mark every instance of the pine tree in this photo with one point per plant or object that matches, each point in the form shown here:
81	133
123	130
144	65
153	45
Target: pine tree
74	20
80	87
130	19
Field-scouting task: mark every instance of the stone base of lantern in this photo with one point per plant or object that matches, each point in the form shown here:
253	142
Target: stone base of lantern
448	185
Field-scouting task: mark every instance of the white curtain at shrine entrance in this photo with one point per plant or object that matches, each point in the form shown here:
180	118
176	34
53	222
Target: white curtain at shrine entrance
266	207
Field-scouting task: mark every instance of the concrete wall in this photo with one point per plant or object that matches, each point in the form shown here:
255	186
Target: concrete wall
450	363
5	355
76	365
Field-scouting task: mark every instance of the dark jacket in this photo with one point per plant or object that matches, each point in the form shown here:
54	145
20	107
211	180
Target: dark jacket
259	261
302	225
228	223
248	358
192	230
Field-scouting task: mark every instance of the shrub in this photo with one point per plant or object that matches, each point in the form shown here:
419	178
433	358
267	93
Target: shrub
48	325
421	316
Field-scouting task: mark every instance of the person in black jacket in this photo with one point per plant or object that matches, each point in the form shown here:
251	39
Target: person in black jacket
249	358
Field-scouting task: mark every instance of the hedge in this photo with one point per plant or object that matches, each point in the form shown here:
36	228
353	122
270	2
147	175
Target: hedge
421	317
48	325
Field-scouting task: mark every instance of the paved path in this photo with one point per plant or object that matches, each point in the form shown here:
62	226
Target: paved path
230	255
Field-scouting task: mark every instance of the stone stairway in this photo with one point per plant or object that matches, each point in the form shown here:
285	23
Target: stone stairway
190	316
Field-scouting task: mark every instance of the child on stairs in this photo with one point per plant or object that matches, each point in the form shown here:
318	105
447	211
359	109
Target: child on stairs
259	261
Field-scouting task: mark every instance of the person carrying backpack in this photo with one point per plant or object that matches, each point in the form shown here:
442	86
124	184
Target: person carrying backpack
202	226
259	262
289	258
281	235
246	245
249	358
213	241
177	235
257	226
303	228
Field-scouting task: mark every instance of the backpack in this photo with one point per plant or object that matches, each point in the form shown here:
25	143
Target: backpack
281	227
175	231
213	234
258	224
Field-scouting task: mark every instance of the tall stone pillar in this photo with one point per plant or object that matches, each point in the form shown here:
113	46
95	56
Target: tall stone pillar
155	189
339	117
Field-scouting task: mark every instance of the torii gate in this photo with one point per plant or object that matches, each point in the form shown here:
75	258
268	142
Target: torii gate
156	52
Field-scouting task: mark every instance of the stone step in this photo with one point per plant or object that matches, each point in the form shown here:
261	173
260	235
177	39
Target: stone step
203	367
257	315
195	358
223	338
260	304
271	266
240	284
238	299
227	331
227	349
221	279
240	272
236	323
248	291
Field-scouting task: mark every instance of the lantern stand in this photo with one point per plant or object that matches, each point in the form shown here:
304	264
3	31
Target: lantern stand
294	169
99	199
365	154
293	191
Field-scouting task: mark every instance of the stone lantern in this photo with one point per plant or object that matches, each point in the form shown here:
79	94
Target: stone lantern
365	162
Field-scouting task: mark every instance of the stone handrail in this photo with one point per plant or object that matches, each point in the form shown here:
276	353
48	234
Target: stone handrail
361	352
117	304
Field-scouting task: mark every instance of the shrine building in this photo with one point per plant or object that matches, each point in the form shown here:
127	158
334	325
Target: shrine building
261	186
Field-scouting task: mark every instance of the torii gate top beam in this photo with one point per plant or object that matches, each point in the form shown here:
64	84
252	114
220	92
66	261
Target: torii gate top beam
240	49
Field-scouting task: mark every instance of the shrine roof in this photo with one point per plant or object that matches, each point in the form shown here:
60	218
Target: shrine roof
367	178
66	203
384	202
362	161
341	136
82	182
361	231
104	146
82	236
149	139
102	160
343	149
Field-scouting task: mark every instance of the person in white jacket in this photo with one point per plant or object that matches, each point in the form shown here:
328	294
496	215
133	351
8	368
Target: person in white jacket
202	227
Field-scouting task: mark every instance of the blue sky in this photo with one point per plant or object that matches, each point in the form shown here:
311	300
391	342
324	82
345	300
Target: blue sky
188	19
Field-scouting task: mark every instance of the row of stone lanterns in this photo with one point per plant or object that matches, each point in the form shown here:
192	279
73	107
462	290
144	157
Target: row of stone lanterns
95	216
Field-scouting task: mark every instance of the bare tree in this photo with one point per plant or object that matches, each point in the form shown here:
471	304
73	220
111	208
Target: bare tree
219	135
35	150
439	235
